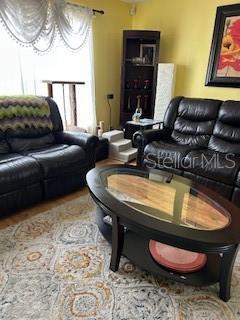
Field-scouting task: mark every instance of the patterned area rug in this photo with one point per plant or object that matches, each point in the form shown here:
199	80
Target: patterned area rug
55	266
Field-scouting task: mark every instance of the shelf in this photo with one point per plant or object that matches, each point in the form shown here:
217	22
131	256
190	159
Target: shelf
133	67
206	276
139	65
135	244
129	112
139	90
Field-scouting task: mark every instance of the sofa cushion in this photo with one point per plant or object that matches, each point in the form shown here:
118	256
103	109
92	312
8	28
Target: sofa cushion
166	154
226	133
216	166
59	159
17	172
194	121
21	145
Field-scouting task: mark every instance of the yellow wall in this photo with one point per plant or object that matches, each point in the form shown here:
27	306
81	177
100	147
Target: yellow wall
108	51
187	28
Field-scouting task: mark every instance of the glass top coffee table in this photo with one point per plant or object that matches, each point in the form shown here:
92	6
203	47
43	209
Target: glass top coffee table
136	207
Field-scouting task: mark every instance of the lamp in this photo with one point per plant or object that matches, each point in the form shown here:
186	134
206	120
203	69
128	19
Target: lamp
133	9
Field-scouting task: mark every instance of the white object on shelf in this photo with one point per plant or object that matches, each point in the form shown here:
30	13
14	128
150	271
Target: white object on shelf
165	89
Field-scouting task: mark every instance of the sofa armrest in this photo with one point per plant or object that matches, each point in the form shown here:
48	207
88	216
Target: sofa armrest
142	138
87	141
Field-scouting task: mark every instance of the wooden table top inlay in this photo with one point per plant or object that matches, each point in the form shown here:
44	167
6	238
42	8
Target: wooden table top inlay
195	211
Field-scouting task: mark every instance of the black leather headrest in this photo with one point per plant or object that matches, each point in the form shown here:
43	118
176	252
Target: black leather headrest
198	109
230	112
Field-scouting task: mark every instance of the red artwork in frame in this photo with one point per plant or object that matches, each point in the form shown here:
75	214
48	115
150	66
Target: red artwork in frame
229	60
224	61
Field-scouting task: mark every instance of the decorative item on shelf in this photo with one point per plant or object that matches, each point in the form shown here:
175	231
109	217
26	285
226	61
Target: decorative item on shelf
139	84
135	84
145	102
129	103
128	84
137	115
148	52
146	84
139	102
138	60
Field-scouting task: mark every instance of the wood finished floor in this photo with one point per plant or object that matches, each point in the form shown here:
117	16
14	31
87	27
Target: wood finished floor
46	205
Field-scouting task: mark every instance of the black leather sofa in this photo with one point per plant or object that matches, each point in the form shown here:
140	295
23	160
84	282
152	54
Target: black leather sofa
200	140
37	164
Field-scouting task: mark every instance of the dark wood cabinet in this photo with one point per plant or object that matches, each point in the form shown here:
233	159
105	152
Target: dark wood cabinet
139	73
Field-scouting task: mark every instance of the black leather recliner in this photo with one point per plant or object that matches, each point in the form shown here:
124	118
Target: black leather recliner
200	140
37	164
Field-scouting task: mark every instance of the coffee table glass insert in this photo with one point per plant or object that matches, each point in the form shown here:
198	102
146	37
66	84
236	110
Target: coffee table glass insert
164	198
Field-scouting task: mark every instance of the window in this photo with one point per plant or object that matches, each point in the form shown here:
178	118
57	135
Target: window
22	72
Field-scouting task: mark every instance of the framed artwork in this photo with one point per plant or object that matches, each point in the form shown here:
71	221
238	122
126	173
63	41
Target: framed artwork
224	61
147	53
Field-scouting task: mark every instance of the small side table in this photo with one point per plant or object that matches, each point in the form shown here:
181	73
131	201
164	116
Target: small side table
132	126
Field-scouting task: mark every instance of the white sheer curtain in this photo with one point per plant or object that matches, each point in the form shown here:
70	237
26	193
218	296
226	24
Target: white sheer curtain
22	72
37	23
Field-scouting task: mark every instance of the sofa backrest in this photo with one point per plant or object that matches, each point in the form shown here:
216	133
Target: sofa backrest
191	120
55	115
4	148
226	133
28	122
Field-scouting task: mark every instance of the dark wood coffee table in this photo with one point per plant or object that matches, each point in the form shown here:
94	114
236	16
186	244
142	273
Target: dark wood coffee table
169	209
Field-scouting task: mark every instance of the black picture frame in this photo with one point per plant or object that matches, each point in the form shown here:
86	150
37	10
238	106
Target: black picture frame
218	57
148	52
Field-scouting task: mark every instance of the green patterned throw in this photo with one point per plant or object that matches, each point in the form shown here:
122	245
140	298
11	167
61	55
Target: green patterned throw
20	112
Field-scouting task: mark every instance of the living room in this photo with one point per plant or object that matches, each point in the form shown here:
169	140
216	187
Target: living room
119	169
